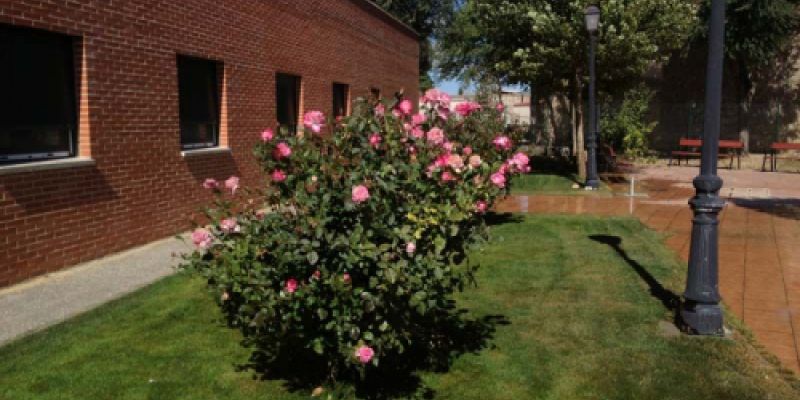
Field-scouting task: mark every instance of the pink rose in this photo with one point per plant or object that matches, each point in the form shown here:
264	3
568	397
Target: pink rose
229	225
455	162
267	135
360	194
503	169
202	238
502	143
467	150
443	112
475	161
417	132
448	146
436	136
481	206
375	140
291	285
498	179
411	247
278	176
211	184
447	176
500	107
380	110
282	150
519	163
436	97
442	160
314	120
465	109
520	159
405	107
232	184
418	119
364	354
412	150
316	275
346	278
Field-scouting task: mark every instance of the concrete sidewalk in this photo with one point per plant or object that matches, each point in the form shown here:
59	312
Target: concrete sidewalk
53	298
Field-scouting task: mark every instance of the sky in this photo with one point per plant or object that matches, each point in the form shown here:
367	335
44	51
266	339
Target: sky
450	86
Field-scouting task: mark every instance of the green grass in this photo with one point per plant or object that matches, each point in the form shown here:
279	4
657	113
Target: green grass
582	324
552	184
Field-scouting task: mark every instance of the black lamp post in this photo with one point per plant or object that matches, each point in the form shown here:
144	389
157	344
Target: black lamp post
592	15
700	311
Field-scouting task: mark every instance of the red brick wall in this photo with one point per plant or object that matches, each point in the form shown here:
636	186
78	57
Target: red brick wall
141	188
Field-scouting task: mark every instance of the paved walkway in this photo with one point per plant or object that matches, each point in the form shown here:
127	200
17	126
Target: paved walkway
50	299
759	241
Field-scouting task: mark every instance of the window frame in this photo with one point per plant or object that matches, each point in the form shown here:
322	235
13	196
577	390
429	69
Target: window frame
68	94
216	116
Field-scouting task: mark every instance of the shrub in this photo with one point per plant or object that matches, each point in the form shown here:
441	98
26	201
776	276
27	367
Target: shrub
624	126
362	233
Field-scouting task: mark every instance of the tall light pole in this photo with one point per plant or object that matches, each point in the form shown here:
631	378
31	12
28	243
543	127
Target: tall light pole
592	15
700	310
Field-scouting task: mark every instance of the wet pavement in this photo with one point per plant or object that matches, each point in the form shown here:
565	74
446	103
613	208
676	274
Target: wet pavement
759	240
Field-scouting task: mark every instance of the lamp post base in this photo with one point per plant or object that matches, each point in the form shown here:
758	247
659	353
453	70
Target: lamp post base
592	184
702	319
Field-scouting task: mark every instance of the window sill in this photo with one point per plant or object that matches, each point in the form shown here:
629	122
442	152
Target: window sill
205	151
74	162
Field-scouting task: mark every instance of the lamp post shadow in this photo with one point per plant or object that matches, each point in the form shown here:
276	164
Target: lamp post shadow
668	298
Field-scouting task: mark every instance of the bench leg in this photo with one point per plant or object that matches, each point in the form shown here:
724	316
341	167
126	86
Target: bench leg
774	161
764	163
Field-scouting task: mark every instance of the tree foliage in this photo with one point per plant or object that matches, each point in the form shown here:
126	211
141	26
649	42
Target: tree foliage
757	30
428	18
544	42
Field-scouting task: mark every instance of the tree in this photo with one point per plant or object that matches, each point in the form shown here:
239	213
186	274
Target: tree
542	43
758	33
428	18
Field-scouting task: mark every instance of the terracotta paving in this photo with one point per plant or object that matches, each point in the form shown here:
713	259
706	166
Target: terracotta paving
759	242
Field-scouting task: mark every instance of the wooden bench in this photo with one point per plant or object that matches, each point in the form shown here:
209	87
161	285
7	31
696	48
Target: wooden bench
772	154
690	148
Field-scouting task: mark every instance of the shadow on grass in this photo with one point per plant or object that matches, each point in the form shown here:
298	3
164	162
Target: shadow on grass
494	218
445	339
670	300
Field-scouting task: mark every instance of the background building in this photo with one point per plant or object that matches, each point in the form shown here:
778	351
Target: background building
113	113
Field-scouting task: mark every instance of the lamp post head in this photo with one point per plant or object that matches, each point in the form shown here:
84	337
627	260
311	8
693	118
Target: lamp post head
592	15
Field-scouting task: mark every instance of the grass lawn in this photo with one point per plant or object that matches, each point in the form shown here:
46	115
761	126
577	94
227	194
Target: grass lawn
583	323
553	184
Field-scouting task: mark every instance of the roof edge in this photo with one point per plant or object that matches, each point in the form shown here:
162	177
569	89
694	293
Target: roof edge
376	10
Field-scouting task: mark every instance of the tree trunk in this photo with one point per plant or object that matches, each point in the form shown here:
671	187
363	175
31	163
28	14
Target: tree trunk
745	95
578	123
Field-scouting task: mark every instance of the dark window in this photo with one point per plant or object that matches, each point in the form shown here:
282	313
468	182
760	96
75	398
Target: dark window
340	92
199	104
287	93
37	95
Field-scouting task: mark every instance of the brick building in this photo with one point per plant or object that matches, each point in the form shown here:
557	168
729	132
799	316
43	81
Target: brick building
112	113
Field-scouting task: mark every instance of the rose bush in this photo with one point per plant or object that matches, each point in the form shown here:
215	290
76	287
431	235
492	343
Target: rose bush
356	244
